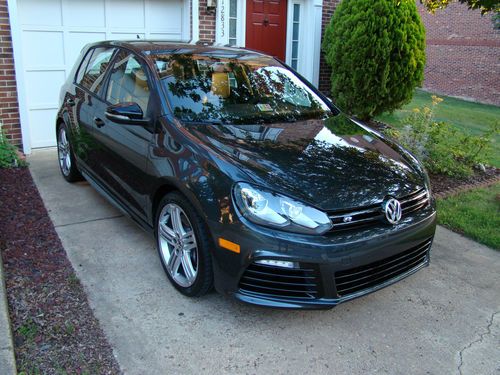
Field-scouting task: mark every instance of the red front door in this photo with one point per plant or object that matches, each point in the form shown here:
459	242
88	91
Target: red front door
266	27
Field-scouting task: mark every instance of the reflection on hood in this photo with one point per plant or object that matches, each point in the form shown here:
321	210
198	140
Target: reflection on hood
332	163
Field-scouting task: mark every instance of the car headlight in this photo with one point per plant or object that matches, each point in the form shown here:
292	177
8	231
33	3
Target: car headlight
275	210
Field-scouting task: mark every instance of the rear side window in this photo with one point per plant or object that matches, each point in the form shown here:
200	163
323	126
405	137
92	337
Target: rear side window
96	69
83	67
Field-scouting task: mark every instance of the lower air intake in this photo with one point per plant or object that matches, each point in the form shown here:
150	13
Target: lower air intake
371	275
272	281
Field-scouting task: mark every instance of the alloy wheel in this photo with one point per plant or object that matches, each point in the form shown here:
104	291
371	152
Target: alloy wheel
177	243
64	153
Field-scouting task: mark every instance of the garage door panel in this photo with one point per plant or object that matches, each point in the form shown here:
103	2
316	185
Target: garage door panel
125	13
127	36
89	13
53	32
44	88
42	127
36	53
40	12
75	42
165	36
166	18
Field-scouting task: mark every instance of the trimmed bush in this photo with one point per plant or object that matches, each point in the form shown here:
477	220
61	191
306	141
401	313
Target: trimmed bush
376	49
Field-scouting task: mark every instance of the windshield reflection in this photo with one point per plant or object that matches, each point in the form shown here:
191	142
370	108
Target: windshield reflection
236	90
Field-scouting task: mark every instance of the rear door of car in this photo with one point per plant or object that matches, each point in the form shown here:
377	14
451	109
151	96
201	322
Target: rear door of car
122	155
88	83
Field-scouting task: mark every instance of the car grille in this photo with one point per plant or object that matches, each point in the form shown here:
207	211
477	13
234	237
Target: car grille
370	215
360	278
273	281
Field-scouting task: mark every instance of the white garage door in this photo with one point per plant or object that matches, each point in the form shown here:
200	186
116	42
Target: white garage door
54	31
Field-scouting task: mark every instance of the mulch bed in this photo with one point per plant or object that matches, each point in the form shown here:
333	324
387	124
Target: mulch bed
444	186
54	328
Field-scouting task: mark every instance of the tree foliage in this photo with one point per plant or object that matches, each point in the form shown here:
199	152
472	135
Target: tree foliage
376	49
485	5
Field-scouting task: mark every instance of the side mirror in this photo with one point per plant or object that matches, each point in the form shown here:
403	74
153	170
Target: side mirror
129	113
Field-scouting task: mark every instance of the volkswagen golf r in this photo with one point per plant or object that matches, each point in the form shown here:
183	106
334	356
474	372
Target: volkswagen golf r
251	180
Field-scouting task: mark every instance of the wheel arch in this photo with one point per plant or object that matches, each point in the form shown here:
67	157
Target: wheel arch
166	187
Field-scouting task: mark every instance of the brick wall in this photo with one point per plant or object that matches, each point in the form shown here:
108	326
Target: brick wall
207	23
324	70
9	112
463	54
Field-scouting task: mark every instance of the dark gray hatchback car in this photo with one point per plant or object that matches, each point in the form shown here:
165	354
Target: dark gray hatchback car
251	180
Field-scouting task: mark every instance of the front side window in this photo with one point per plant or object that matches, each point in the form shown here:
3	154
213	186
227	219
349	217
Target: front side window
96	69
128	82
246	90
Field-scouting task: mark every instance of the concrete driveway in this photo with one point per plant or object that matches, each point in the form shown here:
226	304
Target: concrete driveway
443	320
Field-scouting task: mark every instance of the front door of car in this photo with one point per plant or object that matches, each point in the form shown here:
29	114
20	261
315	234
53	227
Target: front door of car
123	146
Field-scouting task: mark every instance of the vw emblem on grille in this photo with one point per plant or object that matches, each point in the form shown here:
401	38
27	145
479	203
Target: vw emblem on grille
392	209
347	219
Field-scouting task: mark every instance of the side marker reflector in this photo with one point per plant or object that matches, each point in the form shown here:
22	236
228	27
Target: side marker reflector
228	245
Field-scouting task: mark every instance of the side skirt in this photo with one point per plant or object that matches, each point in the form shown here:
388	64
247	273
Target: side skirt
115	202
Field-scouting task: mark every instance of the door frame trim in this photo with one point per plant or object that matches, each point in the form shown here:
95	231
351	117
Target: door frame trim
309	42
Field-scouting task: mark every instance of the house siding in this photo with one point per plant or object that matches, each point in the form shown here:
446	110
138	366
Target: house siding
207	24
9	108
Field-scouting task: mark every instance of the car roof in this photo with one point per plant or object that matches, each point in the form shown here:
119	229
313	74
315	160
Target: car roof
154	47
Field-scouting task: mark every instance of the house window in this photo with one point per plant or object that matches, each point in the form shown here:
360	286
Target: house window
295	36
233	4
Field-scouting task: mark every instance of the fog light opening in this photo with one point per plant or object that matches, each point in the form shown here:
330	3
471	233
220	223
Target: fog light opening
277	263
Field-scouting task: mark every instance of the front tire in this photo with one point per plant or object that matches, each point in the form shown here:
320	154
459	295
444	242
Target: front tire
66	158
184	244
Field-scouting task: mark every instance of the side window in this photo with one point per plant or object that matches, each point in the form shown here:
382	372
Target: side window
83	66
128	82
94	74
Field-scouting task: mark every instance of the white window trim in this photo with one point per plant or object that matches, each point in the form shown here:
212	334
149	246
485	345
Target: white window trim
222	23
309	42
289	33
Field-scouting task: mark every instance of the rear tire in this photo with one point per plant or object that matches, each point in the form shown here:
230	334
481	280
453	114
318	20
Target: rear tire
184	245
65	155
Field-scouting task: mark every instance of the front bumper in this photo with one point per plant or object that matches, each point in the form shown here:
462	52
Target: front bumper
331	269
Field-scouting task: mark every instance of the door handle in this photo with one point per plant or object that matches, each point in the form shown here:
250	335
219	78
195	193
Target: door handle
70	102
265	22
98	122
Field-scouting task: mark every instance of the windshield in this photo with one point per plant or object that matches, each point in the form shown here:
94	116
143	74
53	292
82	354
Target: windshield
246	90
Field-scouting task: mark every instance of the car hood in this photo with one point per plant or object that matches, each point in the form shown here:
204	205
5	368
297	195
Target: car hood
332	164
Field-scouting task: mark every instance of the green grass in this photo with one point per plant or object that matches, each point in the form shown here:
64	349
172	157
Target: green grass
471	117
475	213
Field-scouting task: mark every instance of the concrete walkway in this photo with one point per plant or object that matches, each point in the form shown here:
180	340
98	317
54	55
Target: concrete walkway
443	320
